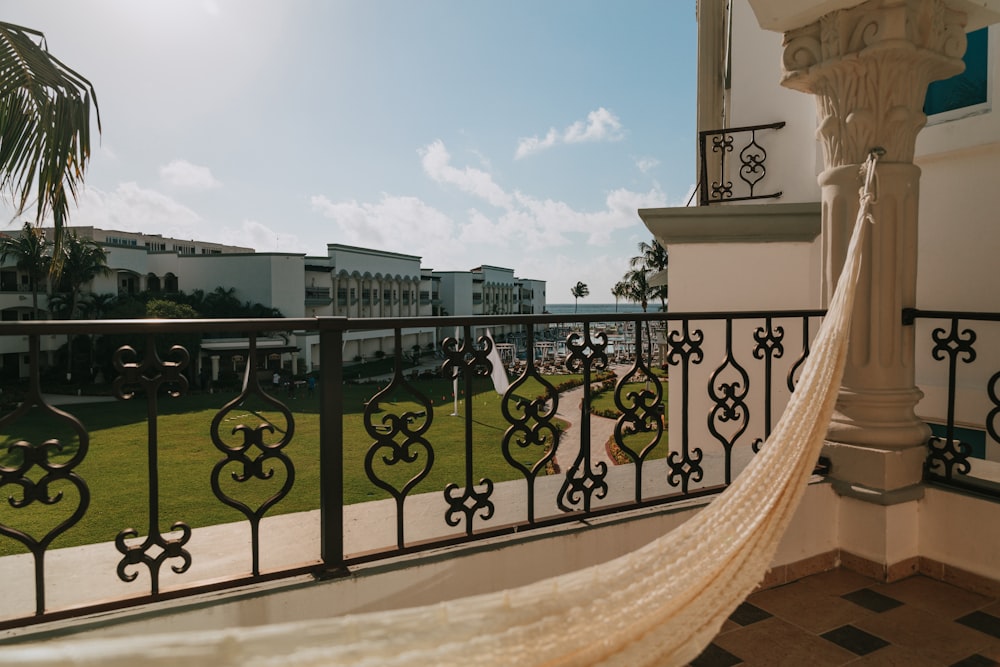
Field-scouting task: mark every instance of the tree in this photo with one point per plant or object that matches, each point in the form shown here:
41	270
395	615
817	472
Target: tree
30	253
579	291
619	291
44	127
636	287
170	310
652	258
82	261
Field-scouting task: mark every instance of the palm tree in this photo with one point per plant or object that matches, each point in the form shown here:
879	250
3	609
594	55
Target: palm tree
222	302
652	258
579	291
44	127
29	250
82	261
619	291
637	287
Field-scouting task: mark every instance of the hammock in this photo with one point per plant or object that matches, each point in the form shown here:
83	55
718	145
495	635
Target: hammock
660	605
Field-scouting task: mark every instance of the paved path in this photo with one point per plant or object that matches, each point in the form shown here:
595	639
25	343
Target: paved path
601	430
72	399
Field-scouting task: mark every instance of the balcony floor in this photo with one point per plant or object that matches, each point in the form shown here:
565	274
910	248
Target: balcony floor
843	618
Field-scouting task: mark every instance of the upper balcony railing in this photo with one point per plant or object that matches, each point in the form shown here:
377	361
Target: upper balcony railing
318	295
180	488
964	410
717	182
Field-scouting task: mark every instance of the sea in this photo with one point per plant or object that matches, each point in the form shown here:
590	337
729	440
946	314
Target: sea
597	308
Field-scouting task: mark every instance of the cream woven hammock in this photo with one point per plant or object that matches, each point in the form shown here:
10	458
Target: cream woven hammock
658	606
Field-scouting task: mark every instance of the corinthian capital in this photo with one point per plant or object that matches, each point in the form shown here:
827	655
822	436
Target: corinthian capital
869	67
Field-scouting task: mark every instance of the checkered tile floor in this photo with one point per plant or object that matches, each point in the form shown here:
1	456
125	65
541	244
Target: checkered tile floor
843	618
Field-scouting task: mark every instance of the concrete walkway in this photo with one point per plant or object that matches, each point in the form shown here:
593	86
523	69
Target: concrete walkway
601	431
71	399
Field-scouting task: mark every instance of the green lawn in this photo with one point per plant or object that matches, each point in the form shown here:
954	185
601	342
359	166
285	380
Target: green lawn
604	404
116	469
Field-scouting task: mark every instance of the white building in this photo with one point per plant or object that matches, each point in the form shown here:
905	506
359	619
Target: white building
358	283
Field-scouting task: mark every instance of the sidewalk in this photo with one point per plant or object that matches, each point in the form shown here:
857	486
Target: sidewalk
71	399
601	431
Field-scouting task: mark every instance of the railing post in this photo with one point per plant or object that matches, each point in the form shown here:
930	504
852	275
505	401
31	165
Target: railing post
331	442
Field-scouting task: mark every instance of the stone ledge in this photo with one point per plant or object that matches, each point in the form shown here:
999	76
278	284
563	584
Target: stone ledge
747	223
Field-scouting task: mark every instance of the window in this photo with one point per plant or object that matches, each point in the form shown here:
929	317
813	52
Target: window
8	281
966	93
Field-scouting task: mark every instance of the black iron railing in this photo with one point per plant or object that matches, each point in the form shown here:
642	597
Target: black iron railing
720	159
450	465
961	354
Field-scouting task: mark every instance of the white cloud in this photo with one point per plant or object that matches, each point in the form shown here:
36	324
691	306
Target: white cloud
600	125
182	174
646	163
260	237
530	145
524	232
131	208
398	224
437	164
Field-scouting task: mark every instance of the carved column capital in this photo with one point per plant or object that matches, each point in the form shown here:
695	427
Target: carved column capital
869	67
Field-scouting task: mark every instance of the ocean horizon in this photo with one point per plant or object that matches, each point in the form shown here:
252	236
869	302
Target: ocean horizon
597	308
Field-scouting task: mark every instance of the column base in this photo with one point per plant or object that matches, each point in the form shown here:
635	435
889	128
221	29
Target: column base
874	475
882	419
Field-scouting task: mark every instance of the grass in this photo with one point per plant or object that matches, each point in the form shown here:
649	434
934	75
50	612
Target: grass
603	404
115	467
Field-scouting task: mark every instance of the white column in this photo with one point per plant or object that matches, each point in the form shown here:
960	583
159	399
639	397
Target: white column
869	67
337	284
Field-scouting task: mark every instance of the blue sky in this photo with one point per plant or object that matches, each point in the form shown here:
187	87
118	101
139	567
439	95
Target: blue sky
522	133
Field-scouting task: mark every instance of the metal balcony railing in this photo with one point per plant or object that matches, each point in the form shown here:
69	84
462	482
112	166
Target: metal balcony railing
420	458
717	182
961	396
318	294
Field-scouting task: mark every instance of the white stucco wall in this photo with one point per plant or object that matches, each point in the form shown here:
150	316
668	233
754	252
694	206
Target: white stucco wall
362	260
456	292
271	279
756	98
743	276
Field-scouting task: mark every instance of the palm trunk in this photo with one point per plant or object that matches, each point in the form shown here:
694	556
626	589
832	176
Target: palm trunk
69	340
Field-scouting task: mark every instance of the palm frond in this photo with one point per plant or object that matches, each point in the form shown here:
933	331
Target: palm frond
44	126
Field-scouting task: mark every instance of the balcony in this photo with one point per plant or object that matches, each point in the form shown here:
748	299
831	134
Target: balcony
318	296
733	164
362	496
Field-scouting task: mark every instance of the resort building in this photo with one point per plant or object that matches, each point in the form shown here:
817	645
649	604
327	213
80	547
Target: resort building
357	283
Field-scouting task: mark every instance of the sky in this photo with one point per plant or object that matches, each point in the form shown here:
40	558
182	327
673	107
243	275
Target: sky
516	133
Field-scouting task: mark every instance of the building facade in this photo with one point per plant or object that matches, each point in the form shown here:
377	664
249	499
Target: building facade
348	281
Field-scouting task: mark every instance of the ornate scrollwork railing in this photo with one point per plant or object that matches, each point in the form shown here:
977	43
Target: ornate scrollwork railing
730	169
418	459
962	400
